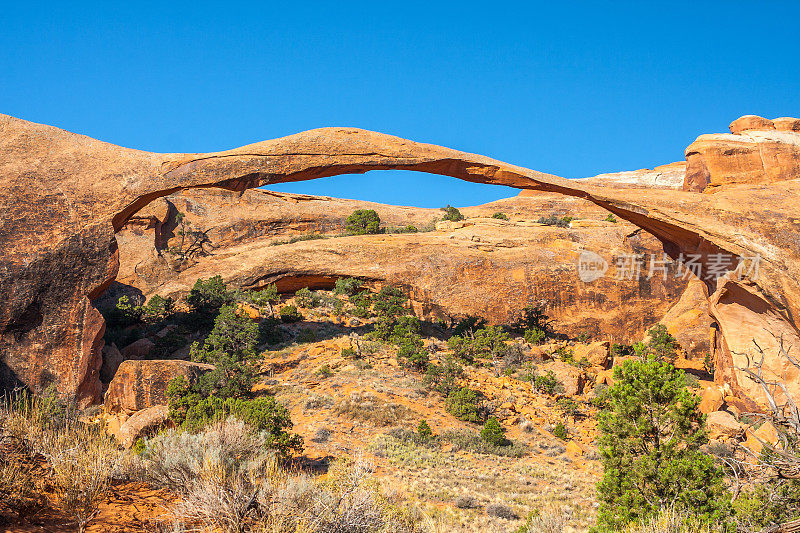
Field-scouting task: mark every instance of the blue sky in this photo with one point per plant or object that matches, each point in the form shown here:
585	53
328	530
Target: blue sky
570	88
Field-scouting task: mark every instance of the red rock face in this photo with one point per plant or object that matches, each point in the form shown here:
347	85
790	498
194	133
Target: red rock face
757	151
64	196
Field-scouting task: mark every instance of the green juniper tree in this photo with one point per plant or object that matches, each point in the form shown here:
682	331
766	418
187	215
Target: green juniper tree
651	434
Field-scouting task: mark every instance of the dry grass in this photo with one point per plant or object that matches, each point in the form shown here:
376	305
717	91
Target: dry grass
229	481
671	521
80	458
367	407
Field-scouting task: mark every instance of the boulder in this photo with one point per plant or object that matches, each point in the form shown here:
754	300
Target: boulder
112	358
711	400
139	349
750	122
142	424
787	124
596	353
569	376
754	153
756	439
139	385
722	424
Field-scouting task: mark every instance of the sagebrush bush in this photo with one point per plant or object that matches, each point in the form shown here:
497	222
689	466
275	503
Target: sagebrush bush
81	457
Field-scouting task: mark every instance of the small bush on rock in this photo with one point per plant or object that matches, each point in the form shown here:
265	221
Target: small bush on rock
465	404
363	221
493	433
452	214
290	314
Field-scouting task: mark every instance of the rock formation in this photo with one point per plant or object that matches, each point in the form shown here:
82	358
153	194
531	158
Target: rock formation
491	268
65	195
757	151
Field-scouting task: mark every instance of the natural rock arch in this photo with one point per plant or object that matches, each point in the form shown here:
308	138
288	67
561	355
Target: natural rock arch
65	195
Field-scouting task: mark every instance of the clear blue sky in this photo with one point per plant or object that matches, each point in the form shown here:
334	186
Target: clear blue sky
570	88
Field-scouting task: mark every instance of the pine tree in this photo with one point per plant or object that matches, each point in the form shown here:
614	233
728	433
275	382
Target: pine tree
651	433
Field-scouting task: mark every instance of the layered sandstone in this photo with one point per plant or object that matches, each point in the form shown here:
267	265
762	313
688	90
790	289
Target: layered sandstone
482	266
757	151
64	196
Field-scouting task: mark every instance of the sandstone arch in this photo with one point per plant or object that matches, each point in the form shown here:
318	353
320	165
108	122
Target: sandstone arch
65	195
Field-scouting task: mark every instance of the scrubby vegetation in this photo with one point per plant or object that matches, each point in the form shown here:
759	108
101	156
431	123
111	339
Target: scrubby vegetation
452	214
651	434
555	220
363	222
496	392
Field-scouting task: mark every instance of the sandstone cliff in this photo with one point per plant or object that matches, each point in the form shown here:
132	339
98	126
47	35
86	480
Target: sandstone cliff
483	266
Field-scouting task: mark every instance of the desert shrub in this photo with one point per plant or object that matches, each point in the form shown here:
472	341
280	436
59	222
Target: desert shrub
347	286
493	433
218	472
269	332
487	342
466	501
547	383
306	298
649	402
444	379
534	335
369	408
568	407
350	353
290	314
124	313
362	302
306	335
554	220
669	520
158	309
424	431
533	323
472	442
452	214
560	431
19	490
81	458
565	354
500	216
620	350
411	352
261	298
468	325
766	504
208	296
465	404
363	221
547	521
325	371
610	218
501	510
231	348
389	302
660	344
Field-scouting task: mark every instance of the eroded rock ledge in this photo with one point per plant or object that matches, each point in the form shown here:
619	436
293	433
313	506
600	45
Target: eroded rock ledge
64	195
